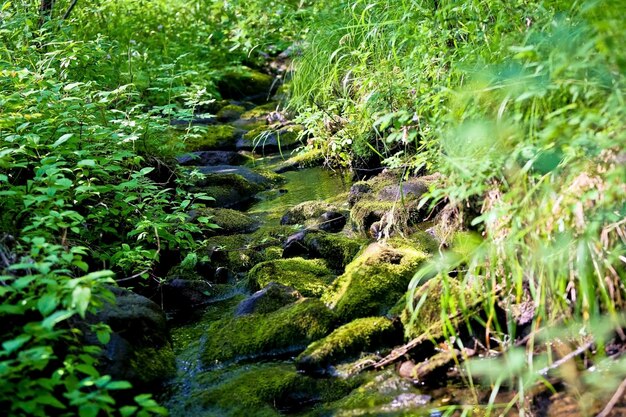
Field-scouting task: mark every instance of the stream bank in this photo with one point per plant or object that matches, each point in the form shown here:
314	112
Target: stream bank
296	294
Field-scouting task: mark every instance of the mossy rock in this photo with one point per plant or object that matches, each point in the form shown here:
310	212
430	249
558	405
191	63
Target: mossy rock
266	389
229	221
240	252
311	277
350	340
336	249
230	112
374	281
216	137
306	212
244	82
228	190
289	329
268	299
301	160
153	363
143	357
260	112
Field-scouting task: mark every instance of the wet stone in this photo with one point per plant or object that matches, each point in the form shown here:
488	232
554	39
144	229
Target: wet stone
332	221
205	158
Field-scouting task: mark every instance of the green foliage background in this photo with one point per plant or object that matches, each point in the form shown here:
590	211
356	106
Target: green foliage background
85	109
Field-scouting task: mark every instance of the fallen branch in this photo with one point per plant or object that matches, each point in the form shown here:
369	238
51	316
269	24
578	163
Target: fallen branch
566	358
614	399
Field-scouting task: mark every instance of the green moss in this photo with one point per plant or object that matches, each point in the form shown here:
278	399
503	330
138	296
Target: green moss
242	82
336	249
311	277
307	159
360	335
288	329
366	399
153	364
184	336
374	281
308	210
367	211
234	252
257	389
216	137
230	112
260	112
227	189
229	221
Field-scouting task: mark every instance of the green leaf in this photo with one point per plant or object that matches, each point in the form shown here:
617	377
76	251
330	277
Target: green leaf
62	140
55	318
14	344
128	410
86	163
81	296
71	86
49	399
104	336
119	385
88	410
146	171
47	304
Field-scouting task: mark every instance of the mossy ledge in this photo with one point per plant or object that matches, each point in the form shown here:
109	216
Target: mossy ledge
289	329
266	388
310	277
374	281
360	335
336	249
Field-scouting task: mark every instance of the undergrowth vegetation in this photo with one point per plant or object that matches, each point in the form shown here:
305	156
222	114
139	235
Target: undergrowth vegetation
520	105
87	194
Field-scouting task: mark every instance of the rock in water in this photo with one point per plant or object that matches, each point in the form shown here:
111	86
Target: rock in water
272	297
139	350
288	329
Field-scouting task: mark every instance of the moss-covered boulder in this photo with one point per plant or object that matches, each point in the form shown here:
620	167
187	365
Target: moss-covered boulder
232	185
230	112
229	221
375	280
336	249
266	390
289	329
240	252
350	340
305	159
216	137
260	112
143	357
271	139
245	83
306	213
268	299
311	277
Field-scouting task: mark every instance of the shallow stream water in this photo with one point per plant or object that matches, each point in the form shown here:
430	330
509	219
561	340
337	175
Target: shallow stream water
380	393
